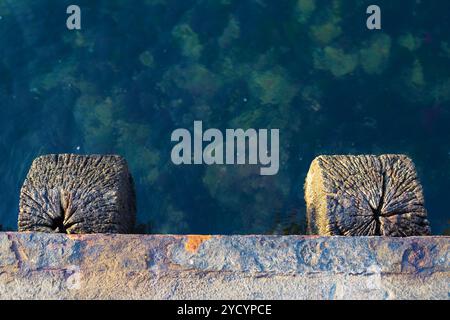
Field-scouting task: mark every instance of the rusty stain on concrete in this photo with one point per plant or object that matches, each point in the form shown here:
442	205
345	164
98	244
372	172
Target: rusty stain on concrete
193	242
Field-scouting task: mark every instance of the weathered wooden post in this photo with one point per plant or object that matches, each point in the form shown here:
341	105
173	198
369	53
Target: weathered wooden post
78	194
365	195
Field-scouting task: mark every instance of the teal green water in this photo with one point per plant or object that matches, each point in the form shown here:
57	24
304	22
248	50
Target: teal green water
139	69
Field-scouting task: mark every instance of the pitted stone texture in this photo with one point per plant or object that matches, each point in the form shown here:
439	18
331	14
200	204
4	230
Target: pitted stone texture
364	196
57	266
77	194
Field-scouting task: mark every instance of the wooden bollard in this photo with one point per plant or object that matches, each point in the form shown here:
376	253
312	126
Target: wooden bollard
365	196
78	194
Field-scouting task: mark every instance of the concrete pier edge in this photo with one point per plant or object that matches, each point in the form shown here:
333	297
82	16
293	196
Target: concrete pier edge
101	266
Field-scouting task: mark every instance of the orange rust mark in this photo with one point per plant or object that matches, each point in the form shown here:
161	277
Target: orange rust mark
193	242
73	236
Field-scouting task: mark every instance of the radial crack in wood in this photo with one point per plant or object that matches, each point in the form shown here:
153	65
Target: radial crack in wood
365	195
78	194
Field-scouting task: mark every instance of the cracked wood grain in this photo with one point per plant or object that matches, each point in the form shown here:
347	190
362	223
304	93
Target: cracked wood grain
78	194
364	196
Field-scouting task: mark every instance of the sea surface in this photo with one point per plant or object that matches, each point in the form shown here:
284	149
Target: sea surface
137	70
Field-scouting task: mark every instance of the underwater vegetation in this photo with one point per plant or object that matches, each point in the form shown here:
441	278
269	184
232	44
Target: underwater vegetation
138	70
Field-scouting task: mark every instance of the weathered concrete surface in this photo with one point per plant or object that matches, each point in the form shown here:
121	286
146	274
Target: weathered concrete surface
58	266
